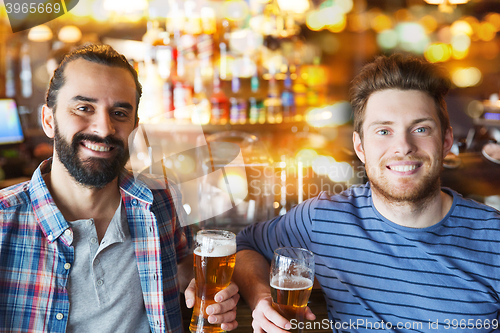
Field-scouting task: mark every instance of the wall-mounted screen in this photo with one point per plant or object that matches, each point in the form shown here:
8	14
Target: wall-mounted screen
10	123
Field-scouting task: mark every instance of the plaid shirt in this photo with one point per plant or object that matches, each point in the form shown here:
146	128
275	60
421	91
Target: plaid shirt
36	254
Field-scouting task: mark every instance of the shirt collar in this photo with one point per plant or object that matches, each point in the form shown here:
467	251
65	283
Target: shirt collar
138	186
49	217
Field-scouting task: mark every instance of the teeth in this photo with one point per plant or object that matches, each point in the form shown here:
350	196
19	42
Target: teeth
403	168
96	147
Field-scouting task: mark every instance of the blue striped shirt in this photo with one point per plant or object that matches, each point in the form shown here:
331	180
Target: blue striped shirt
376	274
36	254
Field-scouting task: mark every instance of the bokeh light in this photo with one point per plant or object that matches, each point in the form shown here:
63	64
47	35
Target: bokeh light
387	39
438	52
306	156
340	172
466	77
461	27
487	31
429	23
475	109
460	42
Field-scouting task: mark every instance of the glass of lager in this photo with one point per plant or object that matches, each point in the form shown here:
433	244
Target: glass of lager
292	279
214	259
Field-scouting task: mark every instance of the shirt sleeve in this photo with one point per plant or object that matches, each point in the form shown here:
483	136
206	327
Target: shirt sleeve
292	229
183	234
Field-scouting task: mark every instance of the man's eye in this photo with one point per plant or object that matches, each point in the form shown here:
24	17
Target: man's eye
83	108
383	132
120	114
421	130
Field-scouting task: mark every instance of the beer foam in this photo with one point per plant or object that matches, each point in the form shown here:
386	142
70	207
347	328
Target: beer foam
218	250
291	283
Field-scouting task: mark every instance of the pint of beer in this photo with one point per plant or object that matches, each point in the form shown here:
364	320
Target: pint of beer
292	278
214	260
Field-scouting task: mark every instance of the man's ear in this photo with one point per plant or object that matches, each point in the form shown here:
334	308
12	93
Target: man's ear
48	123
358	146
448	141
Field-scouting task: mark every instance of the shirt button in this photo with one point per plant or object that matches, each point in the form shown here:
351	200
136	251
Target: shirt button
134	202
89	222
93	240
67	265
100	282
59	316
50	237
68	232
96	261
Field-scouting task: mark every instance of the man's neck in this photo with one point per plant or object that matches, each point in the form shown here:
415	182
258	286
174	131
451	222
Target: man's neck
76	201
421	214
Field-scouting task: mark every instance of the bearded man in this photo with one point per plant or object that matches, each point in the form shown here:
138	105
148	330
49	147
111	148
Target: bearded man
398	253
84	246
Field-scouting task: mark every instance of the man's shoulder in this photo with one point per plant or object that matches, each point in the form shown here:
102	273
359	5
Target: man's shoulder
357	195
470	208
15	195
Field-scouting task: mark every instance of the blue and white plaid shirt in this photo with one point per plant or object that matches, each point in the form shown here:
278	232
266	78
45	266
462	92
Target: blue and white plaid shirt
36	248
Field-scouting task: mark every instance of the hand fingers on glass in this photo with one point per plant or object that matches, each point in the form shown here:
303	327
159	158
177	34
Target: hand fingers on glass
189	294
267	318
227	293
224	306
229	326
309	314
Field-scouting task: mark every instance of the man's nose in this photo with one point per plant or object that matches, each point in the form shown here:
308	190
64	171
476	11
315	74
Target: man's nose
102	124
404	144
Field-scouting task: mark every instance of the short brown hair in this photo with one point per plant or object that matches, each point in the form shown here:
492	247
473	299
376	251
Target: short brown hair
100	54
399	72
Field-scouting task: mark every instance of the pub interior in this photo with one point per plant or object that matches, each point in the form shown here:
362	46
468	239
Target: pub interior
262	83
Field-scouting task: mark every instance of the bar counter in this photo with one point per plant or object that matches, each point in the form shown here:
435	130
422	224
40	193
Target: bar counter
244	314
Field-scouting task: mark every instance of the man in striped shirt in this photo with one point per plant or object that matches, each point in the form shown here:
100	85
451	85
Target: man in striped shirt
84	246
400	253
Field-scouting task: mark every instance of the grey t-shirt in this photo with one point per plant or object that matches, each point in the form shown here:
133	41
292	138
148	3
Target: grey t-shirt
104	287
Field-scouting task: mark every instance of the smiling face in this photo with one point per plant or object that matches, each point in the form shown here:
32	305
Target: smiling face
94	116
402	145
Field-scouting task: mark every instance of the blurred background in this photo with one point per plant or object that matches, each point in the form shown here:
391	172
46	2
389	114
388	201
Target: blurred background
271	76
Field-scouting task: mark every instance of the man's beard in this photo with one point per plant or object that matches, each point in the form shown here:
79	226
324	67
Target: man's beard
407	192
93	172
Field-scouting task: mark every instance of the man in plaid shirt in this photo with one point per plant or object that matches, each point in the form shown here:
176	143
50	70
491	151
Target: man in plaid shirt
84	246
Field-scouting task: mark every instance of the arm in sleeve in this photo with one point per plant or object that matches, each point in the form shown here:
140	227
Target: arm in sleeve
292	229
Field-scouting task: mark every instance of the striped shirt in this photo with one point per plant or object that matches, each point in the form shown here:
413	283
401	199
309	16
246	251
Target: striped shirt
376	274
36	254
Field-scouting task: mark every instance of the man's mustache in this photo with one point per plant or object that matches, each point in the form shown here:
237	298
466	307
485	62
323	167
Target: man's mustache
109	140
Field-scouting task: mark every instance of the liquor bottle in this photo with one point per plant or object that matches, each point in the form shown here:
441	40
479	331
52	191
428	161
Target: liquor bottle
165	70
256	113
316	87
183	92
25	75
201	107
151	104
150	40
219	102
288	99
272	103
10	81
224	51
205	42
238	110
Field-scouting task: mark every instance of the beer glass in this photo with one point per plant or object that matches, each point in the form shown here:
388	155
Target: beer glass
292	278
214	259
